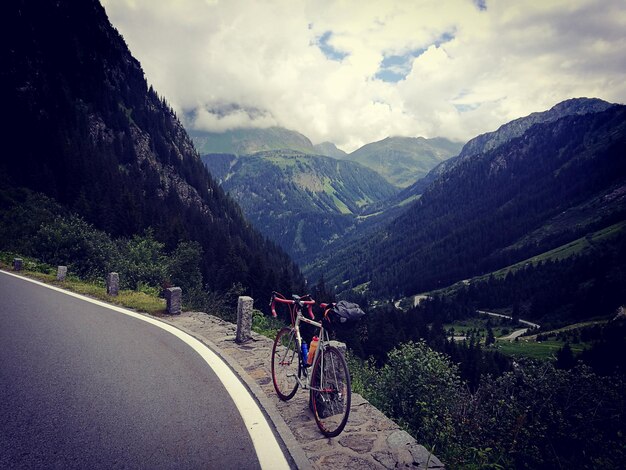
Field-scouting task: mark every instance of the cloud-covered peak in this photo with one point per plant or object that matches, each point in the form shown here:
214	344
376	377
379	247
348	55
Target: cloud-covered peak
354	72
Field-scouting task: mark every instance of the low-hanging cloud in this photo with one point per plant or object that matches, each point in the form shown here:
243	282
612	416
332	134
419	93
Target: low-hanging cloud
354	72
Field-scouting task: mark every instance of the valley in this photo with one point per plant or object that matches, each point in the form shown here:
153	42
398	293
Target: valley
512	212
303	202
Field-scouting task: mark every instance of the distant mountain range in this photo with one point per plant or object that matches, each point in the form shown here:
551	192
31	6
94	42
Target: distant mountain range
302	202
251	140
400	160
276	174
530	187
404	160
329	149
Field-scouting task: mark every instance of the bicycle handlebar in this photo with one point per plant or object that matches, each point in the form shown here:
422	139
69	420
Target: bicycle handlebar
277	297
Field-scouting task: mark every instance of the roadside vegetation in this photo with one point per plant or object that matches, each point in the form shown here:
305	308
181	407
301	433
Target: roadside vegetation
145	299
534	416
46	235
552	399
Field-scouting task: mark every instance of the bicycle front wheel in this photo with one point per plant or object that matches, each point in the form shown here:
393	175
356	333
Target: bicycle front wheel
285	363
331	393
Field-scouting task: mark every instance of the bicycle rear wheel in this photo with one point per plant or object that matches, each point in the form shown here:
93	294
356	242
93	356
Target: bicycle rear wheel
331	393
285	363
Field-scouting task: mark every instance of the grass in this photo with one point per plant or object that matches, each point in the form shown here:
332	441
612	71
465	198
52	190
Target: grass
264	325
136	300
525	346
574	326
578	246
500	327
145	299
537	350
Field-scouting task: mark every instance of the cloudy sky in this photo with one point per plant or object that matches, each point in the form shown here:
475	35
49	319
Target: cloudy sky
357	71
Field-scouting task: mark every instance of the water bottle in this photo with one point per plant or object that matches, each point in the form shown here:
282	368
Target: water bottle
305	352
312	349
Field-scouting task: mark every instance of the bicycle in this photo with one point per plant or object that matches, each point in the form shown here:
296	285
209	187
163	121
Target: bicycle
329	379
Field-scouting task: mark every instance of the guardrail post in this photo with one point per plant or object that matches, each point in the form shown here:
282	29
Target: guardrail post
244	319
173	298
61	273
17	264
113	284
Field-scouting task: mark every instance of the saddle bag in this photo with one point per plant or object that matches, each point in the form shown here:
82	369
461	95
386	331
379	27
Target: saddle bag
347	311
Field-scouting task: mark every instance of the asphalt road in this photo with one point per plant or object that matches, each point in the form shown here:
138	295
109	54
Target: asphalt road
83	386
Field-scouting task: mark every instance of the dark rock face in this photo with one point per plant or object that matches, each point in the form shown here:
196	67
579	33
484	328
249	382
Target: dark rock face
86	130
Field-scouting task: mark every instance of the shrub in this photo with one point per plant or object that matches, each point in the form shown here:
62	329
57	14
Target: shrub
71	241
418	387
536	416
183	269
143	261
541	417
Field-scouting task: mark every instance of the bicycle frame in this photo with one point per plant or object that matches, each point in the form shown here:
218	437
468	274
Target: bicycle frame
328	380
295	309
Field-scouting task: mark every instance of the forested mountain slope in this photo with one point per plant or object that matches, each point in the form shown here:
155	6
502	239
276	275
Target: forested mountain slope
498	207
505	133
302	202
84	128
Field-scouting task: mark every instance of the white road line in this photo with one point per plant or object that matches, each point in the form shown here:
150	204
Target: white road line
267	448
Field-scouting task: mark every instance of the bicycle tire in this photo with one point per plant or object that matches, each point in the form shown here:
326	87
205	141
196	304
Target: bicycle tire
331	392
285	363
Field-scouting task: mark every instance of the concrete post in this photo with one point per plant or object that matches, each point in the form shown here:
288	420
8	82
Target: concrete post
244	319
113	284
17	264
61	273
174	300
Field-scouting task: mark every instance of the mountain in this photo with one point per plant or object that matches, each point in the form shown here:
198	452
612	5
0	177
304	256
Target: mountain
329	149
302	202
556	182
249	141
87	131
573	107
505	133
403	160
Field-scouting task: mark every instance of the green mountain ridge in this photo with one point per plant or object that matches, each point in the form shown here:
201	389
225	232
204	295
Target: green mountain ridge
404	160
250	140
303	202
505	133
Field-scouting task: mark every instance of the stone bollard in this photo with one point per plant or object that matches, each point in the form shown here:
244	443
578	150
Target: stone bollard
339	345
244	319
174	299
17	264
61	273
113	284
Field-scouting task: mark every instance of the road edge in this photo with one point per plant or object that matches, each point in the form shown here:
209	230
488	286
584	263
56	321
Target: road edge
295	456
282	431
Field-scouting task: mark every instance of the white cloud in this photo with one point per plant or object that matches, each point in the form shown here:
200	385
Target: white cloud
480	69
